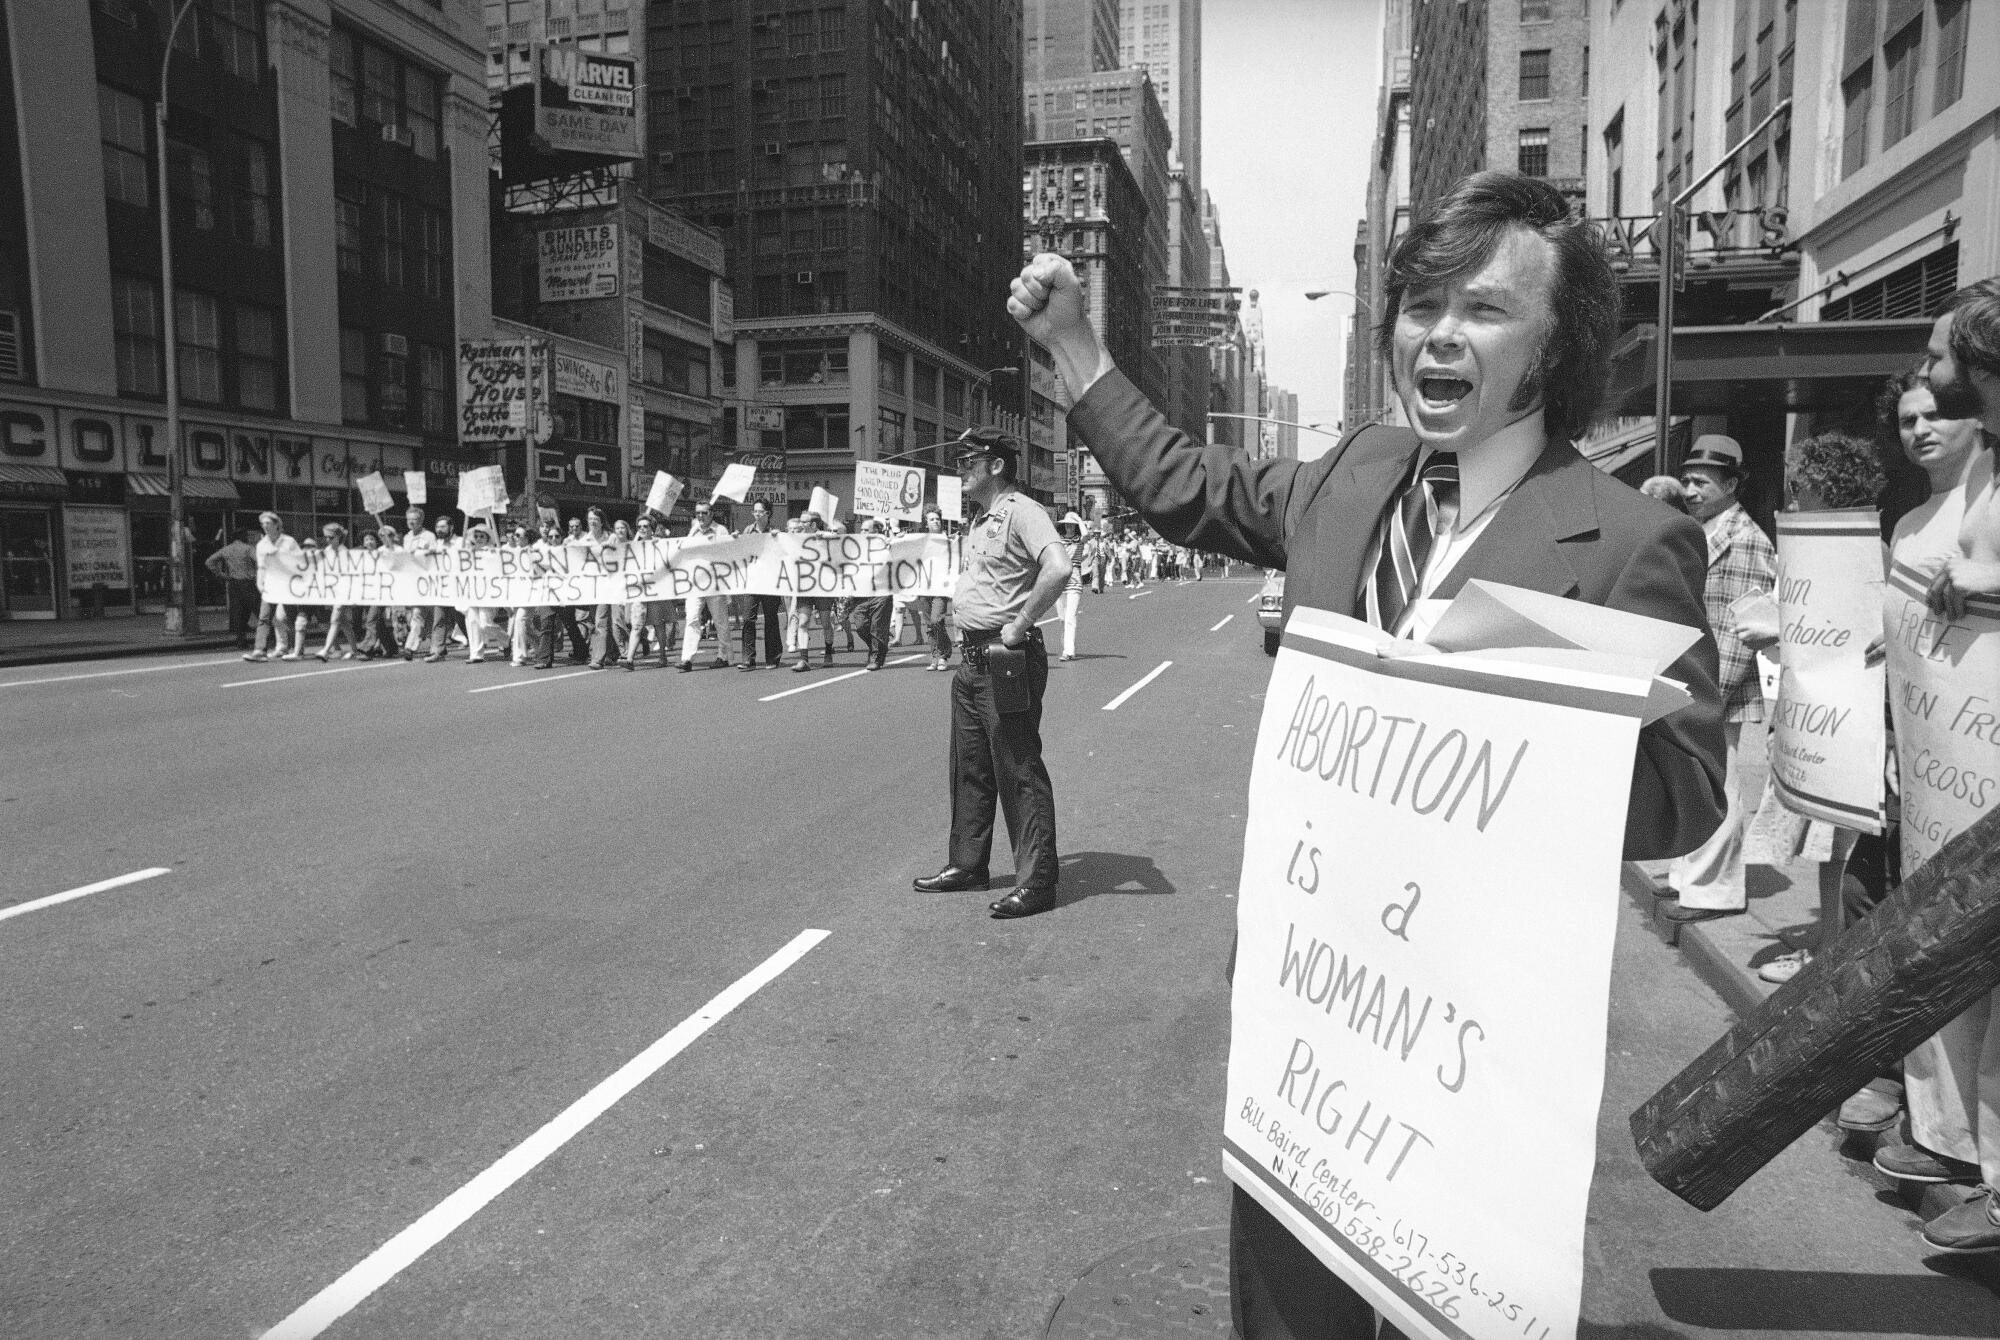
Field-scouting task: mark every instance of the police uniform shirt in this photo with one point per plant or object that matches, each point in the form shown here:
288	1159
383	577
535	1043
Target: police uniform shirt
1003	554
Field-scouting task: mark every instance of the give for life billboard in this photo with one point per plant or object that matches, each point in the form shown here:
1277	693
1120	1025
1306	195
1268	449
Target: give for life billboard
1395	1029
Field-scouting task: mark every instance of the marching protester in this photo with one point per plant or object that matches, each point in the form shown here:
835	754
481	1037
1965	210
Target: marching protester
422	618
1952	1081
236	564
339	619
273	621
871	614
1071	527
378	636
937	609
748	608
657	621
1014	568
706	530
483	624
1495	386
445	619
1708	883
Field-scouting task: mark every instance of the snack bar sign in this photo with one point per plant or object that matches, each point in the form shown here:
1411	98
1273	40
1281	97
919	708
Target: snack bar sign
580	262
586	103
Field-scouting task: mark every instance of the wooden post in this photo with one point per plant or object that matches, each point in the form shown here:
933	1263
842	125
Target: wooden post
1915	963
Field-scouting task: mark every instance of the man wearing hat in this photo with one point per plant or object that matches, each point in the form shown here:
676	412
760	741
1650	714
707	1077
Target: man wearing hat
1015	566
1708	881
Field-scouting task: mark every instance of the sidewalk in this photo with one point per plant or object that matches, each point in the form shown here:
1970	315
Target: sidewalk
46	641
1783	915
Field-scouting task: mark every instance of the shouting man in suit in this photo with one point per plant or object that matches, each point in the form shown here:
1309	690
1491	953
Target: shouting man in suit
1501	309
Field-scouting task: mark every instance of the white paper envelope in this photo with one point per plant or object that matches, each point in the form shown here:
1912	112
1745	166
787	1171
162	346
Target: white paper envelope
1489	615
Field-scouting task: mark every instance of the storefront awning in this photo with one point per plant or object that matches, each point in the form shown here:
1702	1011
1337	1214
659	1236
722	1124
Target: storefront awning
1614	453
33	474
192	486
1796	367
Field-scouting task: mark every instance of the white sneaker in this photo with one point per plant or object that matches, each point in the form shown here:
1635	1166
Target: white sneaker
1785	967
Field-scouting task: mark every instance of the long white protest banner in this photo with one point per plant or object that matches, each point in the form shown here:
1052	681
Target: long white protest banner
815	566
1827	730
1947	712
1391	1032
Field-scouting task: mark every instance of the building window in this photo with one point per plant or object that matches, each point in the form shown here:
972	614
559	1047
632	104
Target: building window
191	178
135	325
1614	162
799	33
232	35
379	95
433	390
344	99
420	111
889	371
431	252
675	364
800	102
1858	94
198	338
833	30
391	220
350	204
122	119
925	383
1950	53
954	395
392	390
678	285
889	433
1534	76
832	96
806	363
1535	11
256	357
353	375
1900	56
1532	157
252	192
1919	289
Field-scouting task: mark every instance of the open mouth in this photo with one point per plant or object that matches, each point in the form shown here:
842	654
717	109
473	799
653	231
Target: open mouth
1442	391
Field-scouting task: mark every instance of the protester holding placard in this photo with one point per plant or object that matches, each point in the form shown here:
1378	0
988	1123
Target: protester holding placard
871	614
1942	622
937	609
340	620
273	620
1827	736
769	606
422	618
1504	310
446	619
705	530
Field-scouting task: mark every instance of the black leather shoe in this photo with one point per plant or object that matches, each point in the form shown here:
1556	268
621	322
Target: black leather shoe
1679	912
951	879
1023	902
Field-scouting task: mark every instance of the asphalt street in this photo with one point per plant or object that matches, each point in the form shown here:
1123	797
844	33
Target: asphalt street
439	1019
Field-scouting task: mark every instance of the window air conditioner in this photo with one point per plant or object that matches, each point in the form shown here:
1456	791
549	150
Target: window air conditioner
396	135
772	149
396	346
804	277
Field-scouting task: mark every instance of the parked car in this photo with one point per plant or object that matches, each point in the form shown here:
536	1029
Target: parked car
1271	610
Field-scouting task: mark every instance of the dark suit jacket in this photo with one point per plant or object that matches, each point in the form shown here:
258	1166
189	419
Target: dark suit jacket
1568	529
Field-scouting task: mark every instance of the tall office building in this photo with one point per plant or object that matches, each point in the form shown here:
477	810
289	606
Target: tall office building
1370	398
1163	38
1065	38
1229	362
1498	85
862	163
326	197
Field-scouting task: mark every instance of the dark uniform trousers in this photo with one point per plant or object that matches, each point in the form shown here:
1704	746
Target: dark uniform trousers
996	755
773	610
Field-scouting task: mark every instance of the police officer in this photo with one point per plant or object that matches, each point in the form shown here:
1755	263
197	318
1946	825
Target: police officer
1014	568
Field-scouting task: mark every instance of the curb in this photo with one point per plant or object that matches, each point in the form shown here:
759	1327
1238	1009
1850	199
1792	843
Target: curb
61	655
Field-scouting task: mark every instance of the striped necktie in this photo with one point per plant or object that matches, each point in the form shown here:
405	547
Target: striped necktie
1429	503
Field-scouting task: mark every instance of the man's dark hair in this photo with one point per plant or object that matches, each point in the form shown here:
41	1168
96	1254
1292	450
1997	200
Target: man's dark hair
1975	327
1460	234
1843	470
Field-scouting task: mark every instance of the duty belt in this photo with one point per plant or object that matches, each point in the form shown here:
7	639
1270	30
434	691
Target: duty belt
973	643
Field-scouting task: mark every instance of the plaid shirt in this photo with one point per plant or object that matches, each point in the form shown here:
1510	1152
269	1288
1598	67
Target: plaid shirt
1741	561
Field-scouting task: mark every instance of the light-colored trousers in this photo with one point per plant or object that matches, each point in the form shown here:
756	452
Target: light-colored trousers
1952	1085
1067	603
718	610
1712	874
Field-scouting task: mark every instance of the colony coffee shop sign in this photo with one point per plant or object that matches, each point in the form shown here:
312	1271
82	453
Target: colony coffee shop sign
1391	1035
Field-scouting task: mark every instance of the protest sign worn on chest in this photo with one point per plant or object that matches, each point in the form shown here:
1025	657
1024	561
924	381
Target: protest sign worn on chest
1946	708
1827	733
1416	827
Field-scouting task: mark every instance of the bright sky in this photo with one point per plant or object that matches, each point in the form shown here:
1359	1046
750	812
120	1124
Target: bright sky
1288	120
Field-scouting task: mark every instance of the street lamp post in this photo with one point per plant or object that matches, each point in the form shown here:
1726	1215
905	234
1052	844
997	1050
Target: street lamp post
181	619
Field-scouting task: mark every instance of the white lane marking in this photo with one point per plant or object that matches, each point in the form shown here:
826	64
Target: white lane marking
105	674
85	891
1151	675
1225	619
387	1261
851	674
1136	594
538	679
309	674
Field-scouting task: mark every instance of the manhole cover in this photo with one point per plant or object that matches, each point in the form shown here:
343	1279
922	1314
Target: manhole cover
1176	1285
